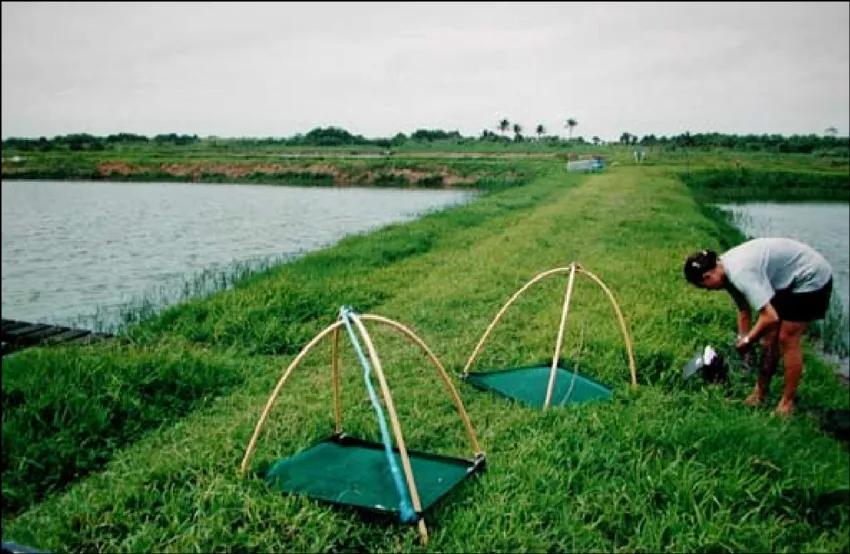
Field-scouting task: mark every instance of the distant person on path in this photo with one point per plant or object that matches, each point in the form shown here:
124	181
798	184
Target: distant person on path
787	283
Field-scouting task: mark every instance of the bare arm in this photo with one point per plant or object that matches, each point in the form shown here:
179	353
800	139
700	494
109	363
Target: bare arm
768	318
744	321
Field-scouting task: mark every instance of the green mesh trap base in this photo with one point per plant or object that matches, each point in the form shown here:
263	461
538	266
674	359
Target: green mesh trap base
354	472
528	385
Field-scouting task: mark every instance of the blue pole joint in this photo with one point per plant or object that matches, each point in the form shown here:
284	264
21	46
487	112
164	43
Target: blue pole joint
406	513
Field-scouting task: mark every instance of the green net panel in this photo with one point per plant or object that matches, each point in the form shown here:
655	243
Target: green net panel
528	385
349	471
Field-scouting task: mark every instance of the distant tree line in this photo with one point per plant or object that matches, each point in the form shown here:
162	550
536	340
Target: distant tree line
84	141
336	136
794	144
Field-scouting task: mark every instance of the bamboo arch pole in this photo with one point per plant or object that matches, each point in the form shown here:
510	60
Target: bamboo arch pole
262	421
622	321
541	276
560	339
476	449
388	400
502	312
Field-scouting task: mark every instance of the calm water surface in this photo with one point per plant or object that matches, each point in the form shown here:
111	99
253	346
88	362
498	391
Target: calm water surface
75	252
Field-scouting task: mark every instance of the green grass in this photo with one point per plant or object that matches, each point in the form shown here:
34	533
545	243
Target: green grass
67	410
730	185
668	467
834	331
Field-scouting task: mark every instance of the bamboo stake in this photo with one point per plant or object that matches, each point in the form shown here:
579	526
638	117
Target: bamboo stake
388	400
560	340
423	531
335	371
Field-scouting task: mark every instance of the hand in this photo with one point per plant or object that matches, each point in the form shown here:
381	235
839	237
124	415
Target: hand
743	344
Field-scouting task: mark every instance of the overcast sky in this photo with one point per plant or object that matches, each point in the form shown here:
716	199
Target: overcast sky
277	69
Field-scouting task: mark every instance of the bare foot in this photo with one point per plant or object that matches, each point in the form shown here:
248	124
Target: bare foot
785	408
754	399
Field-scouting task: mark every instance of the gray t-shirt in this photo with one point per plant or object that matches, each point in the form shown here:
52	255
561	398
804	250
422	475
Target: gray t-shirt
758	268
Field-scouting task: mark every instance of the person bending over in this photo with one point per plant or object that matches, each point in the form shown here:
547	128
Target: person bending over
787	283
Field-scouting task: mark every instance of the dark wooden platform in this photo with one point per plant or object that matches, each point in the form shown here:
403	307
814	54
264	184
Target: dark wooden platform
20	334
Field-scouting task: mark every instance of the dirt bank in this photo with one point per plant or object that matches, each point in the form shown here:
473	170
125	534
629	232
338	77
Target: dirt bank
339	176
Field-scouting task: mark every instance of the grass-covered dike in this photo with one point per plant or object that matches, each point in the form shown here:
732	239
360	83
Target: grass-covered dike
743	184
666	467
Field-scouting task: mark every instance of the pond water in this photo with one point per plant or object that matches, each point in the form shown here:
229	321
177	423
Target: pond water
74	253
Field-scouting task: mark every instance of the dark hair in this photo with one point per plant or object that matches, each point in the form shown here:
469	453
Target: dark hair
698	264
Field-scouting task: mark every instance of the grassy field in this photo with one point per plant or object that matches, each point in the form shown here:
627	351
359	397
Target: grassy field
670	466
421	164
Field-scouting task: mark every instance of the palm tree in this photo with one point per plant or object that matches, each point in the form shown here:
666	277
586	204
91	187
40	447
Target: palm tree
517	132
541	130
571	123
596	141
831	131
504	126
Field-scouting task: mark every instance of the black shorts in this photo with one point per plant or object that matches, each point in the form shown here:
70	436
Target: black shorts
802	306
